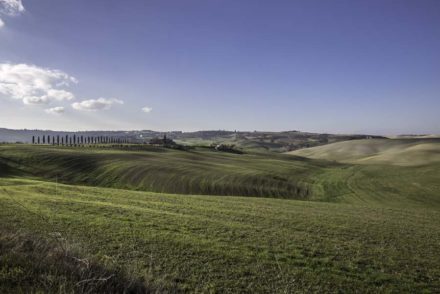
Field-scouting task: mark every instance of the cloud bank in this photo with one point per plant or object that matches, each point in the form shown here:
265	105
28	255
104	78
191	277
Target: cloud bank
55	110
147	109
96	104
33	84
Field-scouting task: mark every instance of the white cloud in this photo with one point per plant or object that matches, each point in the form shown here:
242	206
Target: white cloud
96	104
55	110
33	84
11	7
147	109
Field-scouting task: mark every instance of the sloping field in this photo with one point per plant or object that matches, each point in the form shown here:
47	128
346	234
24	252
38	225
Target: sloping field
200	243
404	152
165	170
356	228
206	172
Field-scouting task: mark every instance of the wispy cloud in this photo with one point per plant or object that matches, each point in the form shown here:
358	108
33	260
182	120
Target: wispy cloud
55	110
96	104
147	109
10	8
33	84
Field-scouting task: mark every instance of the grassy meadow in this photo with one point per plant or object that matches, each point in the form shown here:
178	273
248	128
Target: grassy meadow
161	220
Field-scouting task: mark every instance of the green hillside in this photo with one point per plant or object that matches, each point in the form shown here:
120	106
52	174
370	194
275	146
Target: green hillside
346	226
207	172
404	152
157	169
228	244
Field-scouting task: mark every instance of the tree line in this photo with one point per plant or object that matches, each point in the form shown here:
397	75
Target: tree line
66	140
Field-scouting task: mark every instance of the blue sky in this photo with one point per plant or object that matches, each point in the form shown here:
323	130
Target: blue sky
326	66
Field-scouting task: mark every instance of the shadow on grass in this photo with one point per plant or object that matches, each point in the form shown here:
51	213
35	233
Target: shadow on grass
29	264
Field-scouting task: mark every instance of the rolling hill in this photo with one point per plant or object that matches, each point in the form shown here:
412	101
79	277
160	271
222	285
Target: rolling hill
153	219
404	152
203	171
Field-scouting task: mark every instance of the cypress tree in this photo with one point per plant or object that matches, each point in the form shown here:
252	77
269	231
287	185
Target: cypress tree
38	139
33	139
48	139
44	139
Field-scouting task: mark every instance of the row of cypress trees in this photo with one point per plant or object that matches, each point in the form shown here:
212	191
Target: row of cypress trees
77	140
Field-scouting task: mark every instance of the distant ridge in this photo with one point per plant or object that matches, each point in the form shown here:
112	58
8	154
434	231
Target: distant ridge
249	140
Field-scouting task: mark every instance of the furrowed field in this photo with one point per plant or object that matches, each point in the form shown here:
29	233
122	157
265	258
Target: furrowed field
164	220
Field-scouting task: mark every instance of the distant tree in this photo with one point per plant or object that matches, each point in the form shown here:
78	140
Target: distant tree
33	139
70	141
48	139
38	139
74	139
58	140
66	141
82	139
44	139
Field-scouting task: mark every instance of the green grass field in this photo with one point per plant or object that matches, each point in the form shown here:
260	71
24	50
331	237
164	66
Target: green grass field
135	215
404	152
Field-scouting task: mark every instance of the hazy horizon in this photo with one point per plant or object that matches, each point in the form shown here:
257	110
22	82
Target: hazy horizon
351	67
